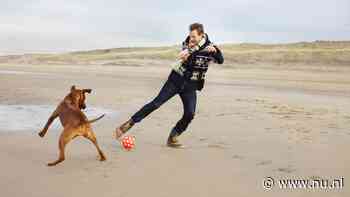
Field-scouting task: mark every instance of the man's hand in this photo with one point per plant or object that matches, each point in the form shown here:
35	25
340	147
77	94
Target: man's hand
211	49
183	55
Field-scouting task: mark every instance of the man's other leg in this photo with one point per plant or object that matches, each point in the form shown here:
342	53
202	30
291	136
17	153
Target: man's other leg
189	101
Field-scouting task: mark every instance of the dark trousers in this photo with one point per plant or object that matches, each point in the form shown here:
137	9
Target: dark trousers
188	96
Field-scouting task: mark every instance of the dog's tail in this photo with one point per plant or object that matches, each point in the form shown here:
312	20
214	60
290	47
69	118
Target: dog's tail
96	119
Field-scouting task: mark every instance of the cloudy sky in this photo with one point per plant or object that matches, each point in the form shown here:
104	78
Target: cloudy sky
61	25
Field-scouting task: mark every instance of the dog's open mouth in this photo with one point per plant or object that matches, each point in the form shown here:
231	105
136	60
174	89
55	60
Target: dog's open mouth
33	117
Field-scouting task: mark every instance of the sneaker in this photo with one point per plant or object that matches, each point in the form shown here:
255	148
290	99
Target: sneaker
122	129
173	142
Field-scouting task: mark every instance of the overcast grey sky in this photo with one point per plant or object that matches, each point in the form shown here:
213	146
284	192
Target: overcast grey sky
47	25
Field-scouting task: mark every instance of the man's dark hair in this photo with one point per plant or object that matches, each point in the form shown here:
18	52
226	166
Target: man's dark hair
198	27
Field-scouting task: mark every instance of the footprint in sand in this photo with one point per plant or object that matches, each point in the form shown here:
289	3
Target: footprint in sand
286	117
228	114
203	139
268	129
265	162
237	157
217	146
286	170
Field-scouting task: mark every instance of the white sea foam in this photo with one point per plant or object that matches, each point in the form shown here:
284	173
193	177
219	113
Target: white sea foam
14	72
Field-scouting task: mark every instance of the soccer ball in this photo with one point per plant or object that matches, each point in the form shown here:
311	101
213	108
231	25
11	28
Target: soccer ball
128	142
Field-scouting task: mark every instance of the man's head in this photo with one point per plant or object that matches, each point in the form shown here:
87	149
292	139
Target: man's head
78	96
196	33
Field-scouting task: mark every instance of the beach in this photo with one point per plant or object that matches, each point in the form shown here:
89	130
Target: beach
251	123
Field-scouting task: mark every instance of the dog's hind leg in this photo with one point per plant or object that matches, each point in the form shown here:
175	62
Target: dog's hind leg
91	136
63	141
48	123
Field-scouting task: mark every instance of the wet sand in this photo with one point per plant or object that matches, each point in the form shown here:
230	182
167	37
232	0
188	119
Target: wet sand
250	124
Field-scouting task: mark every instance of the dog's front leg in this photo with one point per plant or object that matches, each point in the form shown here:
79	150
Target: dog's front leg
53	116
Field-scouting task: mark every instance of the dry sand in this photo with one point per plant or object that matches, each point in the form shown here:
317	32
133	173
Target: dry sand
250	124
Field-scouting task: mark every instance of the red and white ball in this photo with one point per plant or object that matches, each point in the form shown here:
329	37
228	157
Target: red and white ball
128	142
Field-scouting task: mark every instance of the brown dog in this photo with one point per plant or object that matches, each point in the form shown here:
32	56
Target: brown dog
74	122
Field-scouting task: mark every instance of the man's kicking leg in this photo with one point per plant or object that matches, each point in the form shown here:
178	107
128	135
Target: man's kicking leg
189	101
168	90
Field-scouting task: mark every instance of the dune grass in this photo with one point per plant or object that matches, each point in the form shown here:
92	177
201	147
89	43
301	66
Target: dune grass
305	53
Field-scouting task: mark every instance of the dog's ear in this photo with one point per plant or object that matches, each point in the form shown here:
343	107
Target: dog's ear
87	90
72	88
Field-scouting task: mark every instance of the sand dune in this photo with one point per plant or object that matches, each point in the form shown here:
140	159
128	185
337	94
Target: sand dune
319	55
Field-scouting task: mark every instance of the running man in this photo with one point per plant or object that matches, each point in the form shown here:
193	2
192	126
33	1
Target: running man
186	77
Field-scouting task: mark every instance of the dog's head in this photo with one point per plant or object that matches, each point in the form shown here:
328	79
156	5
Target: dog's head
78	96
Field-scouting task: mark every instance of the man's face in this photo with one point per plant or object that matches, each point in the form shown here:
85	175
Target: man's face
195	37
